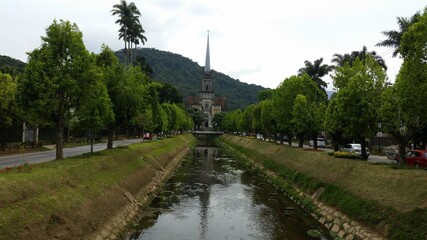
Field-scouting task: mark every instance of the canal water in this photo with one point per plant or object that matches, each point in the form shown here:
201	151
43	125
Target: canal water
213	197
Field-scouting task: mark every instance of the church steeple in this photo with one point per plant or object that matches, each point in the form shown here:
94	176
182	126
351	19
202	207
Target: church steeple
208	60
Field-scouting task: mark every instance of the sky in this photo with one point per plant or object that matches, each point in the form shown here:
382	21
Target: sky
257	42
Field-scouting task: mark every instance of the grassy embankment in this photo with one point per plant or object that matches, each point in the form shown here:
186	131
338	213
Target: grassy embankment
72	198
391	200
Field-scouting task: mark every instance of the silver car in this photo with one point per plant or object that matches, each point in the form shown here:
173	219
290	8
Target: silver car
355	148
320	143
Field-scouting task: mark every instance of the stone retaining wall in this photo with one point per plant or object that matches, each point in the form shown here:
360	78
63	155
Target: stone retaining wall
337	222
129	213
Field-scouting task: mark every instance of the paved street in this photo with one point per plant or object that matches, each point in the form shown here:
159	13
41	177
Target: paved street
39	157
372	158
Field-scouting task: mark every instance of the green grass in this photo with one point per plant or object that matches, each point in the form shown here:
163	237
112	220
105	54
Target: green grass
377	195
77	193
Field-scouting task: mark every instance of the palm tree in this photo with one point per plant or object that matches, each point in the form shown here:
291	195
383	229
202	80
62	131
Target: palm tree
130	28
340	59
395	36
316	71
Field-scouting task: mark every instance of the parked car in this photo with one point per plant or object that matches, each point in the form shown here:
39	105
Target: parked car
355	148
320	142
417	158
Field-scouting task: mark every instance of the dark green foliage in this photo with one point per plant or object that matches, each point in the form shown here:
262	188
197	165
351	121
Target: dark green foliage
186	75
11	66
169	94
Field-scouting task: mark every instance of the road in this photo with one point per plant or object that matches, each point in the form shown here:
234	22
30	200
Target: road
39	157
371	159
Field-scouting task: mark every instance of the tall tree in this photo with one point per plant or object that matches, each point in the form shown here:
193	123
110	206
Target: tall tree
394	37
54	76
340	59
284	96
131	30
316	71
7	98
268	120
94	109
404	103
359	99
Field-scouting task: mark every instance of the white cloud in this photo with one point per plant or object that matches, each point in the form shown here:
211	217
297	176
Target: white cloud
261	42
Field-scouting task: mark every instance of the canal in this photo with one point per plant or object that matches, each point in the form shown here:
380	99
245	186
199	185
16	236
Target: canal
212	196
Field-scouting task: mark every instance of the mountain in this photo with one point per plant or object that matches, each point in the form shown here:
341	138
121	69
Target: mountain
186	75
11	65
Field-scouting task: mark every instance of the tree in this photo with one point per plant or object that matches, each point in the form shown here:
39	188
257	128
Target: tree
403	110
284	96
316	71
340	59
217	120
333	123
169	94
113	74
256	123
245	123
54	77
130	30
359	99
128	90
7	98
264	94
94	109
300	117
268	120
394	37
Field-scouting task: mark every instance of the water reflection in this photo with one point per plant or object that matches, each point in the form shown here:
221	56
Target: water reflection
212	197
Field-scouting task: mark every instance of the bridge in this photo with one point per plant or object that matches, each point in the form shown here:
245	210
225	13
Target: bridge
205	137
198	132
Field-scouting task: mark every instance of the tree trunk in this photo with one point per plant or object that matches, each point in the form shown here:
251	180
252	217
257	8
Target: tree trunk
314	137
301	141
363	155
290	136
110	138
59	138
91	140
336	146
401	156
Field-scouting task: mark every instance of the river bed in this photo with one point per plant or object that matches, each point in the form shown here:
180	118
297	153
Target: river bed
213	197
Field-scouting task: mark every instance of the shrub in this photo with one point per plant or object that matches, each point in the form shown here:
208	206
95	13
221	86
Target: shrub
346	155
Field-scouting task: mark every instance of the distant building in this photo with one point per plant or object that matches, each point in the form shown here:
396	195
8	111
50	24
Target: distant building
207	102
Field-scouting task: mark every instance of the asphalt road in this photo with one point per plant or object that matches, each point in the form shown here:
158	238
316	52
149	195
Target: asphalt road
371	158
39	157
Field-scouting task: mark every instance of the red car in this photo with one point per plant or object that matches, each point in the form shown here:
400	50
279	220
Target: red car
417	158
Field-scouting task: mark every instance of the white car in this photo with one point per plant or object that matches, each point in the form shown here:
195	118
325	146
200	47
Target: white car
355	148
320	142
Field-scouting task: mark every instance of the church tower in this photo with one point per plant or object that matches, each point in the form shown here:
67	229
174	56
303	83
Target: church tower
206	101
207	83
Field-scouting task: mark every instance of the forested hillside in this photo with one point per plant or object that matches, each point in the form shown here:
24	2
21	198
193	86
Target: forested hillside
11	65
186	75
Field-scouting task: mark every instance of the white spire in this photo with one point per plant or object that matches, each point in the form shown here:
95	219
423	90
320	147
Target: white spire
207	61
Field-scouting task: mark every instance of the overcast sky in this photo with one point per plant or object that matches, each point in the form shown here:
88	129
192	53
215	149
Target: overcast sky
259	42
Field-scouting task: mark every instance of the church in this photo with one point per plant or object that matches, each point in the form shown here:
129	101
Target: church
206	101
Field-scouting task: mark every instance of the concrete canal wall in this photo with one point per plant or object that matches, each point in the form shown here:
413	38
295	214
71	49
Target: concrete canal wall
163	168
339	224
92	196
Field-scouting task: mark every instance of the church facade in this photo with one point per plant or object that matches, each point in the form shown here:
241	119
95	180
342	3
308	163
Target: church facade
207	102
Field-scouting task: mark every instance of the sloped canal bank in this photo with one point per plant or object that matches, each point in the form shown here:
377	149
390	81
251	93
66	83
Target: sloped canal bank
211	196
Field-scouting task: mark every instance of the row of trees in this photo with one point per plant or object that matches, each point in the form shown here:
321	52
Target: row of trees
67	87
299	106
